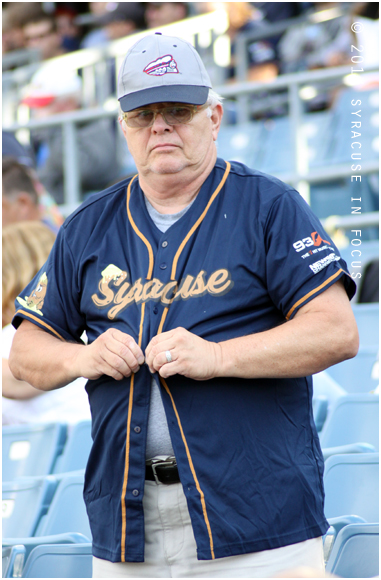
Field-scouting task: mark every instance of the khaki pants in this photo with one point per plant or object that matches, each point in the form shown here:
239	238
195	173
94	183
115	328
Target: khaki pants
170	548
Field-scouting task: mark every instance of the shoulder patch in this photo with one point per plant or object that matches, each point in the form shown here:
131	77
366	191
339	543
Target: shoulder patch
35	300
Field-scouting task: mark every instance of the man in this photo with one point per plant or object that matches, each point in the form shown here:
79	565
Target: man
159	14
52	92
41	33
24	198
229	310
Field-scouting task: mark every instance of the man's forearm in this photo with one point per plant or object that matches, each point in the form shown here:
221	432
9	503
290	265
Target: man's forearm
41	359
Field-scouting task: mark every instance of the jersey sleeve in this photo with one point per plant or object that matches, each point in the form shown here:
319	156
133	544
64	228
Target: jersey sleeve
52	299
301	259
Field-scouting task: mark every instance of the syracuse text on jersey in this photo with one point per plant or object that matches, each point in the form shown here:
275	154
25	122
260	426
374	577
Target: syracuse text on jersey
217	284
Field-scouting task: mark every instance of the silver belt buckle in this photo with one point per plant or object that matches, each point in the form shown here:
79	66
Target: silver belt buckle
159	464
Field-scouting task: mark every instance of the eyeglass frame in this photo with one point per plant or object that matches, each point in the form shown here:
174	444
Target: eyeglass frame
194	109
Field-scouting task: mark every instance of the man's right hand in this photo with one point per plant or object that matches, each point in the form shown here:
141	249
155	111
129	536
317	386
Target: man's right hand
113	353
46	362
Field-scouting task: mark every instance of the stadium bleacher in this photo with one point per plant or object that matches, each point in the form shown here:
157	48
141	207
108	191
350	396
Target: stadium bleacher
45	527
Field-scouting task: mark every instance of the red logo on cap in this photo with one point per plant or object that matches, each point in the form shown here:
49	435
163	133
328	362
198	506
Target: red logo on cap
161	66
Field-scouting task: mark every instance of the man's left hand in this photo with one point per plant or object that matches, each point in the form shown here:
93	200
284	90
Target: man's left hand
191	356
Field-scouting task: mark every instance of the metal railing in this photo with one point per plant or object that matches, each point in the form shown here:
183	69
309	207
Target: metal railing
298	176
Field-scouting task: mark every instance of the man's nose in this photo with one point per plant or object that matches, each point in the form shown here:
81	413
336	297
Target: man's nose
160	124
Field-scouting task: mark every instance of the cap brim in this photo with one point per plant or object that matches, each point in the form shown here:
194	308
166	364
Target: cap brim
190	94
38	102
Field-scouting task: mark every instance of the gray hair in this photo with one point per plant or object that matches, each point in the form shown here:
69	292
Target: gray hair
213	100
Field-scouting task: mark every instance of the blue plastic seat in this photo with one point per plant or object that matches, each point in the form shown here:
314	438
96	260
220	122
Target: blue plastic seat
367	318
240	143
354	419
351	484
277	152
319	409
356	374
59	561
67	511
76	450
13	560
24	503
355	552
18	556
30	450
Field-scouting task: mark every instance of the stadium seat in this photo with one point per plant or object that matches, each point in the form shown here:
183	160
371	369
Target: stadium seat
76	450
354	419
13	560
367	318
335	525
351	484
24	502
356	374
276	155
28	544
30	450
59	561
351	448
355	552
240	143
317	132
67	511
343	115
320	409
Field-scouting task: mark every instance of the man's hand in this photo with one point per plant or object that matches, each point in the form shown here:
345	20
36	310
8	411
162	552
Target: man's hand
192	356
113	353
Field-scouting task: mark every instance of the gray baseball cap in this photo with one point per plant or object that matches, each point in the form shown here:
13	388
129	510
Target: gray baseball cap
159	69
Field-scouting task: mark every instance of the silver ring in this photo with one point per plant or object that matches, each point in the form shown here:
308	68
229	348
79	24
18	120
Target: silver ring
168	355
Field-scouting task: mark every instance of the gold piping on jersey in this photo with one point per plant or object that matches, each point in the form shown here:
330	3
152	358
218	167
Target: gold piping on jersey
190	233
205	514
131	397
138	232
41	322
299	302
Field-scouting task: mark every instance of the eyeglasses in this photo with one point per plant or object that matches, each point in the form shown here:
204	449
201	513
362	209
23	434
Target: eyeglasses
173	115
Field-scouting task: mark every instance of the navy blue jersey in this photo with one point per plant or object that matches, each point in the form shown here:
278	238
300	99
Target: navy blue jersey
243	259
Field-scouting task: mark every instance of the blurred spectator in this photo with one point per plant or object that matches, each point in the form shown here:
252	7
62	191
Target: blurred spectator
41	33
122	18
14	18
98	35
22	201
25	248
262	56
159	14
69	32
317	45
54	91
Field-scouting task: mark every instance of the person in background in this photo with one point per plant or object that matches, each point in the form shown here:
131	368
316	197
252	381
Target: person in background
122	18
25	249
22	199
41	33
51	92
14	17
159	14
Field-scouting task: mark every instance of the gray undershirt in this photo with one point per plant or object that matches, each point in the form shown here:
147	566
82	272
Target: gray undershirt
158	438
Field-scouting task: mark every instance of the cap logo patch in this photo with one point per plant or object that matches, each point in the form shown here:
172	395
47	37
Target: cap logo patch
161	66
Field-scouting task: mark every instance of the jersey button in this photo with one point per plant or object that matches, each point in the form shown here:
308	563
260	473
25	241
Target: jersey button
163	266
137	429
135	492
155	310
164	244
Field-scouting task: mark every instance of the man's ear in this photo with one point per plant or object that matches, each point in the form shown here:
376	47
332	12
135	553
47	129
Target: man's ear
216	118
123	125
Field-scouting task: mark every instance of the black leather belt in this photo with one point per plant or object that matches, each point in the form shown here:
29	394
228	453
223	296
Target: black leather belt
163	472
